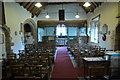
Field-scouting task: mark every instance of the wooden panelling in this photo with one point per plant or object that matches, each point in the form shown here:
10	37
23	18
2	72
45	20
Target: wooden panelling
69	23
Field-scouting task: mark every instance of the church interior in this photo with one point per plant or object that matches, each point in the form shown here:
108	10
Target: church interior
57	40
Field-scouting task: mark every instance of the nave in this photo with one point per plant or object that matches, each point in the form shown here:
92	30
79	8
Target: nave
63	68
63	45
59	63
40	64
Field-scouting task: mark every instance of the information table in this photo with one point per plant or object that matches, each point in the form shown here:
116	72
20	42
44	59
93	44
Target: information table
95	63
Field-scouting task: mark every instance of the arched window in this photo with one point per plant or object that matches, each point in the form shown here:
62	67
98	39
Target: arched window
94	29
61	30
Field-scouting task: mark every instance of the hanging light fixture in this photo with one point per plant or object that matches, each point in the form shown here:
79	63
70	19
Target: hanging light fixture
77	16
38	5
87	4
47	16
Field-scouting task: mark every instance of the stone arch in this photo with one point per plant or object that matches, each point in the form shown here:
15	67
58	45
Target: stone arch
117	38
6	30
33	27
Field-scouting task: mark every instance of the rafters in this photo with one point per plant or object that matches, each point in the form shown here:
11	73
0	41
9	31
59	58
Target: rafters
30	6
24	4
30	3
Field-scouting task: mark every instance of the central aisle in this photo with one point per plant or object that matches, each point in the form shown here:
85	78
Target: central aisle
63	69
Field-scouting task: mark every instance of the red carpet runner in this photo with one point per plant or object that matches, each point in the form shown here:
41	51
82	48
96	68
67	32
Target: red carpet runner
63	69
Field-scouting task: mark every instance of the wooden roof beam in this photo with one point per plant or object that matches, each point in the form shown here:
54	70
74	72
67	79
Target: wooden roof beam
61	3
92	3
30	3
42	8
28	6
99	3
34	10
96	3
37	13
24	4
81	4
92	7
20	3
31	6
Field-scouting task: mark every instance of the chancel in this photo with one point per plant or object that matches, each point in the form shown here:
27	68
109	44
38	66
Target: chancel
49	41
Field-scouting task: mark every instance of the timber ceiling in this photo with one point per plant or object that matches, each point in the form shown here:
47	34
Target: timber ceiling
30	6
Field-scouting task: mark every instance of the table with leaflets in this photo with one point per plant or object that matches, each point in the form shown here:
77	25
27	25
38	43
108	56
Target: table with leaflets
95	62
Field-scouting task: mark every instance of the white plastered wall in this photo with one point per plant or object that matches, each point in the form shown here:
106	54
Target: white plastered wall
70	12
108	13
15	15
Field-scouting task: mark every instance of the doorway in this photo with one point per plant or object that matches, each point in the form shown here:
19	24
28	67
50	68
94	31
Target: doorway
2	44
28	34
5	42
117	38
30	31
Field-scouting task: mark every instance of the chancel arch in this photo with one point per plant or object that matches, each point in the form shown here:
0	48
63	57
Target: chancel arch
65	33
117	38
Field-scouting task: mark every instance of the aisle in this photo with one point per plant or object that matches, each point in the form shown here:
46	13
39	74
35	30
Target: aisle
63	69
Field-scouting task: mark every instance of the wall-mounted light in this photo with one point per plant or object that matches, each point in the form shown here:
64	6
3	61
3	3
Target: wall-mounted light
38	5
77	16
87	4
47	16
